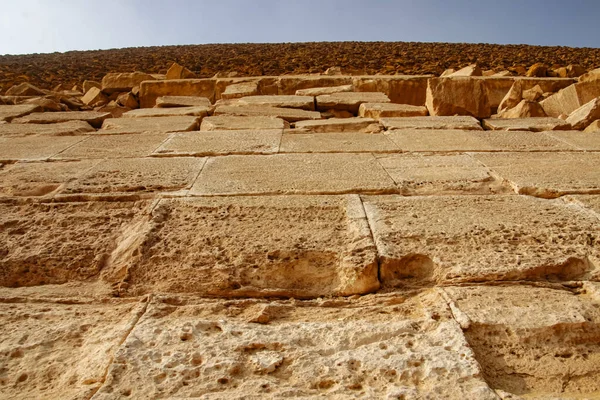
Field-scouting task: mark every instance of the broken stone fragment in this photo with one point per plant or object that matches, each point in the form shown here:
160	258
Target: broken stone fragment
182	101
242	89
127	100
567	100
10	112
94	118
533	94
151	90
524	109
324	90
335	125
232	122
94	97
593	127
25	89
288	114
349	101
149	124
458	96
177	71
87	85
432	122
513	96
585	115
536	124
123	82
593	75
537	70
470	70
384	110
282	101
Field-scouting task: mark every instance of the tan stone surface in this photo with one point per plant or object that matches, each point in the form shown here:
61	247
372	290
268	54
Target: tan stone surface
435	122
116	126
435	239
196	111
115	146
289	84
525	109
293	174
535	124
209	143
241	89
419	174
342	142
578	139
94	96
593	75
128	100
123	82
386	110
50	350
571	98
138	175
232	122
151	90
591	202
457	96
182	101
381	347
88	84
349	101
60	129
288	114
336	125
299	102
547	175
456	140
93	118
35	147
324	90
470	70
593	127
585	115
9	112
177	71
401	89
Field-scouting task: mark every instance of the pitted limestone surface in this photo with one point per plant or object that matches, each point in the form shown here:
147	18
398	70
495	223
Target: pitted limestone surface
212	143
114	146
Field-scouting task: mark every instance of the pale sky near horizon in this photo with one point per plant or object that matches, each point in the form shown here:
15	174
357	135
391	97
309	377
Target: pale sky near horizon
45	26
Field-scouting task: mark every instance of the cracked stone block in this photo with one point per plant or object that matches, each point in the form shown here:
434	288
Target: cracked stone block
589	201
396	348
9	112
115	146
116	126
209	143
232	122
580	140
336	125
93	118
194	111
349	101
445	239
60	129
304	246
432	122
387	110
32	148
182	101
344	142
288	114
535	124
547	175
283	101
293	174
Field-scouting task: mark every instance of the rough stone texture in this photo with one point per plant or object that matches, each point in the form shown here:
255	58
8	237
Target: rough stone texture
9	112
117	126
535	124
196	111
177	71
336	125
401	89
59	129
593	127
343	142
123	82
229	122
571	98
349	101
288	114
151	90
115	146
208	143
93	118
525	109
293	174
458	96
241	89
463	123
585	115
24	89
324	90
427	240
593	75
547	175
470	70
182	101
94	97
34	147
579	140
386	110
513	96
299	102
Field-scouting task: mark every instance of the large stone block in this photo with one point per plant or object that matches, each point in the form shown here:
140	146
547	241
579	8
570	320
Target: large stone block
391	110
9	112
283	101
535	124
182	101
571	98
195	111
337	125
585	115
93	118
232	122
458	96
462	123
344	142
289	84
579	140
59	129
33	148
209	143
401	89
123	82
151	90
116	126
114	146
349	101
288	114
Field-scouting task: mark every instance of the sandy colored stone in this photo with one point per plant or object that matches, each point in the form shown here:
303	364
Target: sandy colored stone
10	112
593	127
435	122
151	90
535	124
344	142
525	109
47	104
457	96
94	97
93	118
116	126
419	174
324	90
292	174
123	82
386	110
128	100
115	146
591	202
442	239
513	97
138	175
73	343
231	122
571	98
498	87
177	71
32	148
209	143
580	140
335	125
242	89
88	84
593	75
299	102
182	101
289	84
288	114
533	94
25	89
400	89
470	70
585	115
60	129
385	347
533	342
455	140
195	111
547	175
349	101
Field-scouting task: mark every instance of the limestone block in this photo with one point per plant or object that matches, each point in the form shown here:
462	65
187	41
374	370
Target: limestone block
116	126
593	127
128	100
182	101
571	98
94	97
513	97
123	82
449	239
349	101
177	71
533	94
547	175
93	118
288	114
88	84
593	75
525	109
324	90
293	174
470	70
498	87
289	84
344	142
535	124
32	148
151	90
401	89
585	115
386	110
195	111
231	122
299	102
458	96
434	122
25	89
58	129
10	112
591	202
115	146
589	141
209	143
335	125
242	89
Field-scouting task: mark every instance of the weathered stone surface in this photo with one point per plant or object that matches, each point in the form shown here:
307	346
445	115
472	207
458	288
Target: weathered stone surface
525	109
75	344
177	71
128	100
427	240
536	124
289	84
324	90
299	102
345	142
533	342
585	115
593	75
138	175
470	70
115	146
439	174
336	125
196	111
593	127
464	123
349	101
94	97
182	101
537	69
301	354
93	118
401	89
386	110
208	143
547	175
25	89
47	104
241	89
571	98
533	94
498	87
59	129
9	112
88	84
229	122
513	96
151	90
456	140
591	202
337	258
37	250
293	174
32	148
288	114
457	96
138	125
123	82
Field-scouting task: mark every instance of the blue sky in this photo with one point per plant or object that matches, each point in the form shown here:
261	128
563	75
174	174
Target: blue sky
42	26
